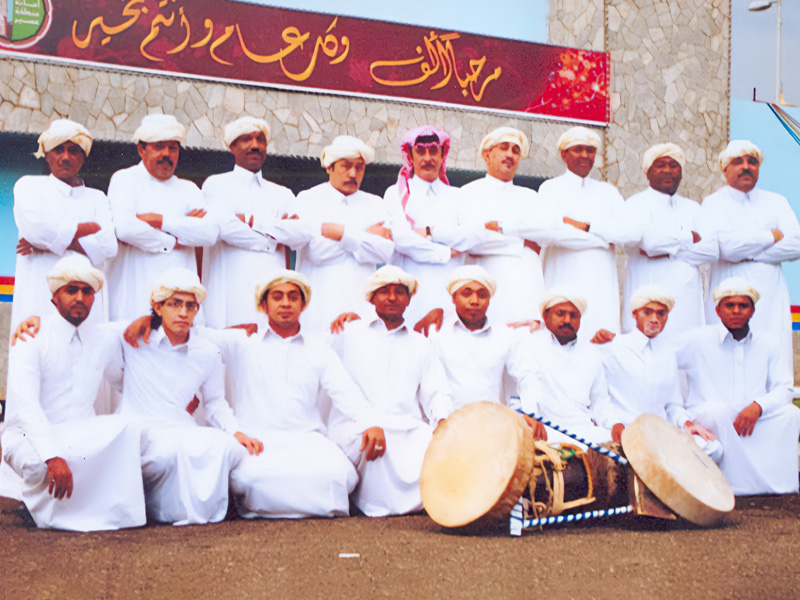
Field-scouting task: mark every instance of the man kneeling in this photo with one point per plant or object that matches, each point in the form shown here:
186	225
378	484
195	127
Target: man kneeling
79	471
185	467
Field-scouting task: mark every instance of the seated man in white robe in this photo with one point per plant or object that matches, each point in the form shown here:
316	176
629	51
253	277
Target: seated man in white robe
571	389
738	389
642	372
78	471
278	374
185	466
475	351
403	380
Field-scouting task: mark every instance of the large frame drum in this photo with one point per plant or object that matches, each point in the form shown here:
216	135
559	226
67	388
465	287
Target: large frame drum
482	459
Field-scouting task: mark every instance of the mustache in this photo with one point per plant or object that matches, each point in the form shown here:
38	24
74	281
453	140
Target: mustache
567	326
166	160
255	151
747	172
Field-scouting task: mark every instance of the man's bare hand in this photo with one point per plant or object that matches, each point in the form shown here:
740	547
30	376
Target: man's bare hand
139	329
379	229
695	237
155	220
434	317
373	441
245	220
194	403
197	213
603	336
421	231
532	325
252	445
492	226
616	432
287	216
533	246
538	430
24	247
454	253
697	429
777	235
332	231
646	255
248	328
29	327
59	477
746	420
337	326
577	224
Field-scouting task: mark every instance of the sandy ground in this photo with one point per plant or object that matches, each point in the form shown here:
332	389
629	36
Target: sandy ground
754	554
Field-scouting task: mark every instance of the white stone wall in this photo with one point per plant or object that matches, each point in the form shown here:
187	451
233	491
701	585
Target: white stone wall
111	105
669	81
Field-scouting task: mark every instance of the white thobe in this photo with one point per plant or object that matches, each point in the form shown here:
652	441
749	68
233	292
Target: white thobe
185	466
571	389
435	205
475	361
585	261
52	385
522	215
301	473
673	259
243	255
338	271
145	251
747	249
725	376
47	212
642	376
405	384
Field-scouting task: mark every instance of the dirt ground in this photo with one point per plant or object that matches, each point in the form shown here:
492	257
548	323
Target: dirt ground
752	555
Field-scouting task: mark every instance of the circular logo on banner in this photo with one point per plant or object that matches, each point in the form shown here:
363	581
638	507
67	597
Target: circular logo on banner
24	22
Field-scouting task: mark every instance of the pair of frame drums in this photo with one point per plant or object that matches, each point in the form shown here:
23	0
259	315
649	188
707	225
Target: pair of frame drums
483	461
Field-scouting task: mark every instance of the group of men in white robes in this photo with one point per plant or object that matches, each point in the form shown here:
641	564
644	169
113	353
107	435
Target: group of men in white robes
546	258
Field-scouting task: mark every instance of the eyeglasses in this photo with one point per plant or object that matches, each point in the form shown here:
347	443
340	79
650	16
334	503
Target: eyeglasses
86	290
191	306
432	149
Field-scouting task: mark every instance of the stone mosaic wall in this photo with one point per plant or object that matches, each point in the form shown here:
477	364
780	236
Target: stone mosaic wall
669	81
112	104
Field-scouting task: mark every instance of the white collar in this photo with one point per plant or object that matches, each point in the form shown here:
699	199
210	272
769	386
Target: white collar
574	179
158	338
63	188
377	323
495	181
248	176
724	334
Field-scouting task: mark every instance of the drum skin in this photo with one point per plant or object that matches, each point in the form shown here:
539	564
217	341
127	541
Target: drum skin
477	465
677	471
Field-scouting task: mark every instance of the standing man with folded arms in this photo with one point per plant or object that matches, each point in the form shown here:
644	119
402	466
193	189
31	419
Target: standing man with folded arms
159	218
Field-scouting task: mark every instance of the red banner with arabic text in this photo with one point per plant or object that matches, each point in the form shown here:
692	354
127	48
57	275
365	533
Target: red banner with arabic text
234	41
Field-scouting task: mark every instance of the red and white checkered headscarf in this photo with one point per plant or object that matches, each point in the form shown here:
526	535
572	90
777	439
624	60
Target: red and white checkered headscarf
407	170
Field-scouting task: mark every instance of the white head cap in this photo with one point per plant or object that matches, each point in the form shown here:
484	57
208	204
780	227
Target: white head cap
736	148
283	276
461	276
661	150
735	286
578	136
389	274
651	293
159	128
64	130
346	146
557	296
244	125
506	134
176	280
74	267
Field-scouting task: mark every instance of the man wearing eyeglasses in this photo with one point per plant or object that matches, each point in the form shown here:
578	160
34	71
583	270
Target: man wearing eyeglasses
185	467
424	209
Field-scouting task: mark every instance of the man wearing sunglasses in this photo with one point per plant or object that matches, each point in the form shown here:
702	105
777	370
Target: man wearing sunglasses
429	241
